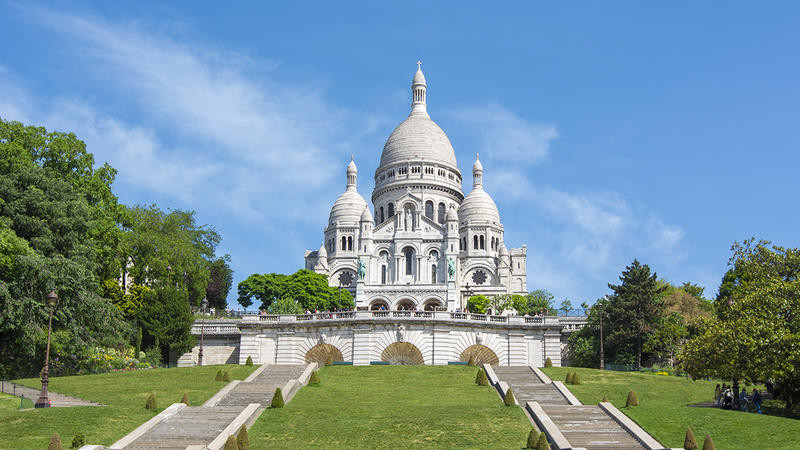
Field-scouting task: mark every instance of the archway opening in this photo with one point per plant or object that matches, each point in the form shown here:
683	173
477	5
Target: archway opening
320	354
379	304
481	354
402	354
432	304
406	304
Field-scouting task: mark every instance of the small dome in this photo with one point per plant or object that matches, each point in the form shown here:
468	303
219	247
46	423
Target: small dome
322	253
503	249
347	208
351	168
366	216
477	166
452	214
478	207
419	78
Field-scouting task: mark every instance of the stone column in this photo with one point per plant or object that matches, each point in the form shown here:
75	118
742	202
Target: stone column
361	346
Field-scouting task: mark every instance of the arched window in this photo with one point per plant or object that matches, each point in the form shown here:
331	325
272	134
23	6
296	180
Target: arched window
464	243
381	216
350	242
441	212
433	274
409	254
475	242
429	209
482	245
383	274
492	243
344	243
391	209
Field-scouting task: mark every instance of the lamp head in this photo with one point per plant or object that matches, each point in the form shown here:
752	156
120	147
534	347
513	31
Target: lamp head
204	302
52	298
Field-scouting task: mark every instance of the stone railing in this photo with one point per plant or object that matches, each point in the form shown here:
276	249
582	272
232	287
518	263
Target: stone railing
570	324
211	328
389	315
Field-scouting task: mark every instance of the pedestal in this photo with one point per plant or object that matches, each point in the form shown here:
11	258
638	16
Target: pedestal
361	295
452	298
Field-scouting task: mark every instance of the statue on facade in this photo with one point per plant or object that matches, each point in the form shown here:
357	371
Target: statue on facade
451	268
362	269
479	338
401	333
409	220
323	338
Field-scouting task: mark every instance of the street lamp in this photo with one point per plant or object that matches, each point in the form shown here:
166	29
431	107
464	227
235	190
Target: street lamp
602	356
203	304
43	402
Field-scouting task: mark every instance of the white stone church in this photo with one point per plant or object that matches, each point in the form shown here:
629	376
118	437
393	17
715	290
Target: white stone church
426	246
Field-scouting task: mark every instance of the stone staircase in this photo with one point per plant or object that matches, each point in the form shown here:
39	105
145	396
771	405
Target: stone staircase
262	388
528	387
588	426
191	426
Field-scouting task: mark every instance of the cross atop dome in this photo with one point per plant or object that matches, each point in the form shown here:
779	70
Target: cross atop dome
419	65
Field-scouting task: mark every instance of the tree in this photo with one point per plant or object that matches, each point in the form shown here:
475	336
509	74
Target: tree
499	303
666	340
478	304
566	307
533	303
307	289
165	318
637	304
219	283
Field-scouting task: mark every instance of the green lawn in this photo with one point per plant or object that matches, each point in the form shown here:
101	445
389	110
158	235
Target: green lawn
393	406
662	409
124	393
8	402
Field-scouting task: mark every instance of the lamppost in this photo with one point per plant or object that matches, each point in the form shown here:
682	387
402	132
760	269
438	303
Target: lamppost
43	402
602	356
203	305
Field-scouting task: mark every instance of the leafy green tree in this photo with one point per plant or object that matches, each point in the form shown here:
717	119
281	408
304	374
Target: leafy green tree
636	307
500	303
566	307
668	337
220	282
285	306
308	289
478	304
166	320
533	303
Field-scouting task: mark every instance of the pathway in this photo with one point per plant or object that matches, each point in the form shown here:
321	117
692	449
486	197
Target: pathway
56	400
568	423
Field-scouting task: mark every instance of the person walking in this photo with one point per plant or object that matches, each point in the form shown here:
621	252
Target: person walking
757	400
743	400
717	392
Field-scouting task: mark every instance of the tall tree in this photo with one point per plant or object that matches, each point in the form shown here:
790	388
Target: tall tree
220	282
308	289
637	303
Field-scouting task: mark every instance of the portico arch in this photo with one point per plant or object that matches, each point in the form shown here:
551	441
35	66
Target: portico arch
377	303
431	304
405	303
481	354
320	354
402	354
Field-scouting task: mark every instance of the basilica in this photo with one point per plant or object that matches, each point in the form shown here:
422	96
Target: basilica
425	245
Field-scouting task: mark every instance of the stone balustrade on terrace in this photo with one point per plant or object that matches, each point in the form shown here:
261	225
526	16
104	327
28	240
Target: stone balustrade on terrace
443	316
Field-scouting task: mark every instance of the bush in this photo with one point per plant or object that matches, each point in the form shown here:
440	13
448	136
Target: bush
277	399
542	444
689	442
55	442
548	362
329	361
708	444
314	379
471	361
482	379
230	444
509	399
605	399
249	361
568	379
533	438
78	441
226	376
185	399
243	439
632	400
151	402
219	375
576	379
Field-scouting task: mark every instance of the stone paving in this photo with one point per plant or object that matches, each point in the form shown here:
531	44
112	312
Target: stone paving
56	400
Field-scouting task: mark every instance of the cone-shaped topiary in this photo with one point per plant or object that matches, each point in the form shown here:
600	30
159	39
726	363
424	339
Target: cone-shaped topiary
219	375
542	443
568	379
478	376
483	380
230	444
329	361
548	362
576	379
243	439
471	361
533	438
689	443
605	399
277	399
708	444
226	376
632	400
55	442
509	399
78	441
185	399
151	402
249	361
314	379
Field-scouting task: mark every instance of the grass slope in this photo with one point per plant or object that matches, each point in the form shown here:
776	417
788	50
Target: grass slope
124	393
393	406
662	409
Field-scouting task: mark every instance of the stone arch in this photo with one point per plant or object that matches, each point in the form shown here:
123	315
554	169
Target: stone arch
405	303
321	352
376	304
431	304
402	354
481	355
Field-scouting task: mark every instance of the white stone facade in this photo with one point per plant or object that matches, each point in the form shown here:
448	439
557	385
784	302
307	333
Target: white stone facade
425	246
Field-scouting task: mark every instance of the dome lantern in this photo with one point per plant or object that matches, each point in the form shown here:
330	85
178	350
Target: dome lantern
352	173
477	172
418	91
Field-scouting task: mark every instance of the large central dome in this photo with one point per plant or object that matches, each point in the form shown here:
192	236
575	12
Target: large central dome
418	138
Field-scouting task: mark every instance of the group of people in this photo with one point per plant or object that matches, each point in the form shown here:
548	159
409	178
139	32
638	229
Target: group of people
724	397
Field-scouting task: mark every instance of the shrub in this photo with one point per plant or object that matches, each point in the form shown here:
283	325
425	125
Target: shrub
314	379
230	444
185	399
78	441
151	402
471	361
219	375
632	400
605	399
509	399
55	442
542	444
226	376
576	379
249	361
329	361
548	362
568	379
688	442
483	380
277	399
243	439
708	444
533	438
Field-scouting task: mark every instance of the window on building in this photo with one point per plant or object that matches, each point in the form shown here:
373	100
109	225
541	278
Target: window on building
383	274
402	171
482	245
381	215
344	243
441	212
416	169
433	273
349	242
475	242
391	209
429	209
409	254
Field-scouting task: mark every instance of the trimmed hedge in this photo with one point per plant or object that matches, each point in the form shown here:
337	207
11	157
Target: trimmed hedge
632	400
78	441
277	399
482	379
509	399
226	376
185	399
471	361
689	443
542	444
230	444
548	362
314	378
55	443
576	379
605	399
219	375
151	402
568	379
243	439
708	444
249	361
533	438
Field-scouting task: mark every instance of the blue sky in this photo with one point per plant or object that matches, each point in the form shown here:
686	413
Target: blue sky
608	130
